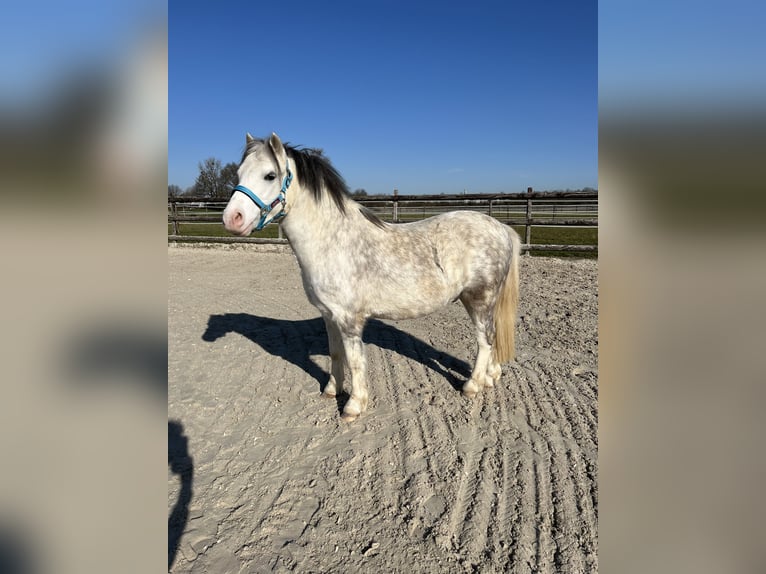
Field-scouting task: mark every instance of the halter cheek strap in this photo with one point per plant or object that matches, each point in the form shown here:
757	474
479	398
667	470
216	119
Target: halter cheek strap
266	209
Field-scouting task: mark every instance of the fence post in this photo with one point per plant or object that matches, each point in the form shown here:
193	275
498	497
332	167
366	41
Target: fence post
395	207
279	226
528	227
174	212
490	207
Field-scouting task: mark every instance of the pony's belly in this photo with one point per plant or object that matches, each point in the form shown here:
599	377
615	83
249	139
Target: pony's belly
400	315
378	306
412	309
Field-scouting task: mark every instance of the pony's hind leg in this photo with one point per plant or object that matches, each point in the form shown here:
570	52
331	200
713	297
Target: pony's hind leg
494	371
479	377
485	370
337	357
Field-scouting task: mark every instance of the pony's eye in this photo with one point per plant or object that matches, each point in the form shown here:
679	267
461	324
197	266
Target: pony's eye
270	176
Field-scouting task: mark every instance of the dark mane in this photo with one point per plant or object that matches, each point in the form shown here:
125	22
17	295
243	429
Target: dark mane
319	176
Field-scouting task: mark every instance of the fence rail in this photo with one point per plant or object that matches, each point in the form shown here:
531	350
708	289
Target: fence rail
530	210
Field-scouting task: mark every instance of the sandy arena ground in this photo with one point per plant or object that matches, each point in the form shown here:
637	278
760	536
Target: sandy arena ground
264	476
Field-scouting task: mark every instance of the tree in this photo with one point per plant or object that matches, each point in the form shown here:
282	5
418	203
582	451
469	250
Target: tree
229	177
360	193
208	182
214	180
174	190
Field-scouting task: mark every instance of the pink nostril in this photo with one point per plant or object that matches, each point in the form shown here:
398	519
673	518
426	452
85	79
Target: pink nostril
234	220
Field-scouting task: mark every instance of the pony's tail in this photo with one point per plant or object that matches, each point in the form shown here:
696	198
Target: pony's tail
504	349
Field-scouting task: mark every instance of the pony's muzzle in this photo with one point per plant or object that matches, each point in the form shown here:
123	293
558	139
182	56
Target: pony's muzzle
234	222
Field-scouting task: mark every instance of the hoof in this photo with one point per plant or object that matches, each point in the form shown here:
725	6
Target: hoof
348	418
470	389
331	389
351	410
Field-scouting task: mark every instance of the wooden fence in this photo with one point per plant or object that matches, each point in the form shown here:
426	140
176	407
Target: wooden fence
531	209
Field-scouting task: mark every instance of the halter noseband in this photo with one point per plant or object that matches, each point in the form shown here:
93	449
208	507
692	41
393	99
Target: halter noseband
266	209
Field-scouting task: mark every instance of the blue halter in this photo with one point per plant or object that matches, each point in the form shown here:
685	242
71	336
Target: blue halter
266	209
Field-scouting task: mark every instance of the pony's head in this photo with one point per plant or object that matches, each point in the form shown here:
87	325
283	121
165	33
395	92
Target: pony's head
264	176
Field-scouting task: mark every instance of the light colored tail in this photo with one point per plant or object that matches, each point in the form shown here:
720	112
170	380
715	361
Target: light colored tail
504	348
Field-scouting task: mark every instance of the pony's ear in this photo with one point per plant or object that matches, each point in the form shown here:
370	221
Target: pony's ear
248	138
279	150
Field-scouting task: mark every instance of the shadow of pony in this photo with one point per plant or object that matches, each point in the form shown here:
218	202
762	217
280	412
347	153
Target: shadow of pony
296	341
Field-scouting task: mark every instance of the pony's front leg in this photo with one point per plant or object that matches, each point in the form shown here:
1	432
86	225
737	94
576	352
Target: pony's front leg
337	356
357	402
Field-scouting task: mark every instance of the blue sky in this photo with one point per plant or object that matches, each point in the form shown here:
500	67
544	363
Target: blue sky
425	97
